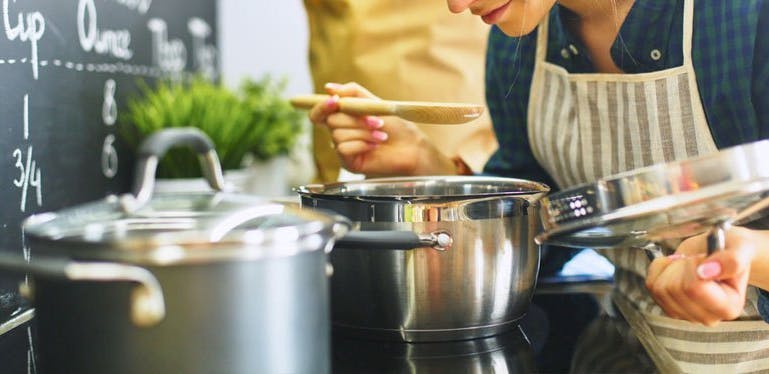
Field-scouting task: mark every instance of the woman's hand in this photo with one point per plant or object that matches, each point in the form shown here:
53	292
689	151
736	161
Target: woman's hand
377	146
690	286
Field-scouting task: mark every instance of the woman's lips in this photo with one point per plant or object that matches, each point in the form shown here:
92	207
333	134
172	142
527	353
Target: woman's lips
494	16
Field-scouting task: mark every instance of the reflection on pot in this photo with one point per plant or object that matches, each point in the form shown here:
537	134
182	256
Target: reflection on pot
506	353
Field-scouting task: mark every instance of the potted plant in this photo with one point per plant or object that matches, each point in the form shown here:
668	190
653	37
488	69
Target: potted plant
254	129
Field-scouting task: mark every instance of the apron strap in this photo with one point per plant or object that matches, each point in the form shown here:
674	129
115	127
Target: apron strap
542	31
688	31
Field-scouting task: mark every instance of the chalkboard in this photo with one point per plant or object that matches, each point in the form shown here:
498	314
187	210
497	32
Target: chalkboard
67	69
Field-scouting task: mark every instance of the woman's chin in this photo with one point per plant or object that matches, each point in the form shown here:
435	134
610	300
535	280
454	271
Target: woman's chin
522	16
516	29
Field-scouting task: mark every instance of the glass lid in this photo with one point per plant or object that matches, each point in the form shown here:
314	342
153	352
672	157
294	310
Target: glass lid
661	202
178	218
187	221
428	187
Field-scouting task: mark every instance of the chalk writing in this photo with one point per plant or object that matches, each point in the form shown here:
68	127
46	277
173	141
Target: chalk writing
205	53
31	361
169	55
109	107
27	29
109	159
115	43
141	6
29	172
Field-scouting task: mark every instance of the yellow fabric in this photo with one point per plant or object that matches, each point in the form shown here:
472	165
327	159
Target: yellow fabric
402	50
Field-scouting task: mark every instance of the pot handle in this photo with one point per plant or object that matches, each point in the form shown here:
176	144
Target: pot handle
147	302
717	235
155	147
397	240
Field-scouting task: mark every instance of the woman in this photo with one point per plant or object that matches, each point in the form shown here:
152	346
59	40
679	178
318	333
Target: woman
585	89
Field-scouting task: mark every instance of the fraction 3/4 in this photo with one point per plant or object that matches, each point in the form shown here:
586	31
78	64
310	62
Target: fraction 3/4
29	171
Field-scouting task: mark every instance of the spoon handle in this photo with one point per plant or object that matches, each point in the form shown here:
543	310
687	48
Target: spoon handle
349	105
419	112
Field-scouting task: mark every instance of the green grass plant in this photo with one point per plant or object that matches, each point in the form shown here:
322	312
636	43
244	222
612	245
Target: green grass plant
255	122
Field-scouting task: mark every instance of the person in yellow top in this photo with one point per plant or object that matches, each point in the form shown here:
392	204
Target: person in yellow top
403	50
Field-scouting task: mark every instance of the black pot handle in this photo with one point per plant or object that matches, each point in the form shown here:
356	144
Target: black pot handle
155	147
394	240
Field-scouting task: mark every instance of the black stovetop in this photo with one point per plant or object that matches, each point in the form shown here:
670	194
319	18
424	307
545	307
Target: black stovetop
561	333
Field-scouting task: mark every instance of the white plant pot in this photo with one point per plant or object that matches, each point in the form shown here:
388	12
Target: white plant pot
265	178
268	179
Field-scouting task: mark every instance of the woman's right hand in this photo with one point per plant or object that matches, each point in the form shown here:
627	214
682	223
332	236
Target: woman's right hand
377	146
690	286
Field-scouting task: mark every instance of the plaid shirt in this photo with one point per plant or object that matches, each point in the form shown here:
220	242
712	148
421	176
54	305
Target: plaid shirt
730	55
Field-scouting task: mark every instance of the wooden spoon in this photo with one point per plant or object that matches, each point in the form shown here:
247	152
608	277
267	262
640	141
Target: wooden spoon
422	112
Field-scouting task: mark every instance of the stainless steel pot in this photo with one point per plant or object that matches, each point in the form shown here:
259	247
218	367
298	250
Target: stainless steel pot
180	283
479	285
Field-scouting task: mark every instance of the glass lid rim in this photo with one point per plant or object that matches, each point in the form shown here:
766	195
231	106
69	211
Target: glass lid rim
358	187
64	224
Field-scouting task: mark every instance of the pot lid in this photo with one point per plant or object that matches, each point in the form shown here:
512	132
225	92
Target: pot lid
429	188
179	218
199	225
665	201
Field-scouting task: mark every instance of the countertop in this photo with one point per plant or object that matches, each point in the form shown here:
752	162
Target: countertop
570	326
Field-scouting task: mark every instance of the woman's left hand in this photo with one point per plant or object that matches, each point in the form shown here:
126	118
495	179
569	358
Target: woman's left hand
690	286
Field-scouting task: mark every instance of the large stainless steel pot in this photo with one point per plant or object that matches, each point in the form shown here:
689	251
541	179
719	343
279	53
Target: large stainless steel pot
180	283
479	286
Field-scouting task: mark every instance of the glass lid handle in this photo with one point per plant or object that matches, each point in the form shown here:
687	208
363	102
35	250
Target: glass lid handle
717	235
155	147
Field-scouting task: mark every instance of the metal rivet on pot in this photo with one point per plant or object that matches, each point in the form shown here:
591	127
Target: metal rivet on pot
442	240
26	291
146	309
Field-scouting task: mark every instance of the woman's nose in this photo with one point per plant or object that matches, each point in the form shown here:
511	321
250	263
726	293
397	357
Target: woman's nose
458	6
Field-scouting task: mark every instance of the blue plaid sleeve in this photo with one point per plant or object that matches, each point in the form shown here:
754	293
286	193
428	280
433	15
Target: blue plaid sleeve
761	99
760	81
731	62
763	305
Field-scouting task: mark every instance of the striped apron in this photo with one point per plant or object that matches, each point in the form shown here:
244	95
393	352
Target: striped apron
582	127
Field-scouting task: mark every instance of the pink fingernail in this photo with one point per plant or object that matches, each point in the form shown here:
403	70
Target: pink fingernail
332	101
374	122
676	256
379	135
332	86
709	270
